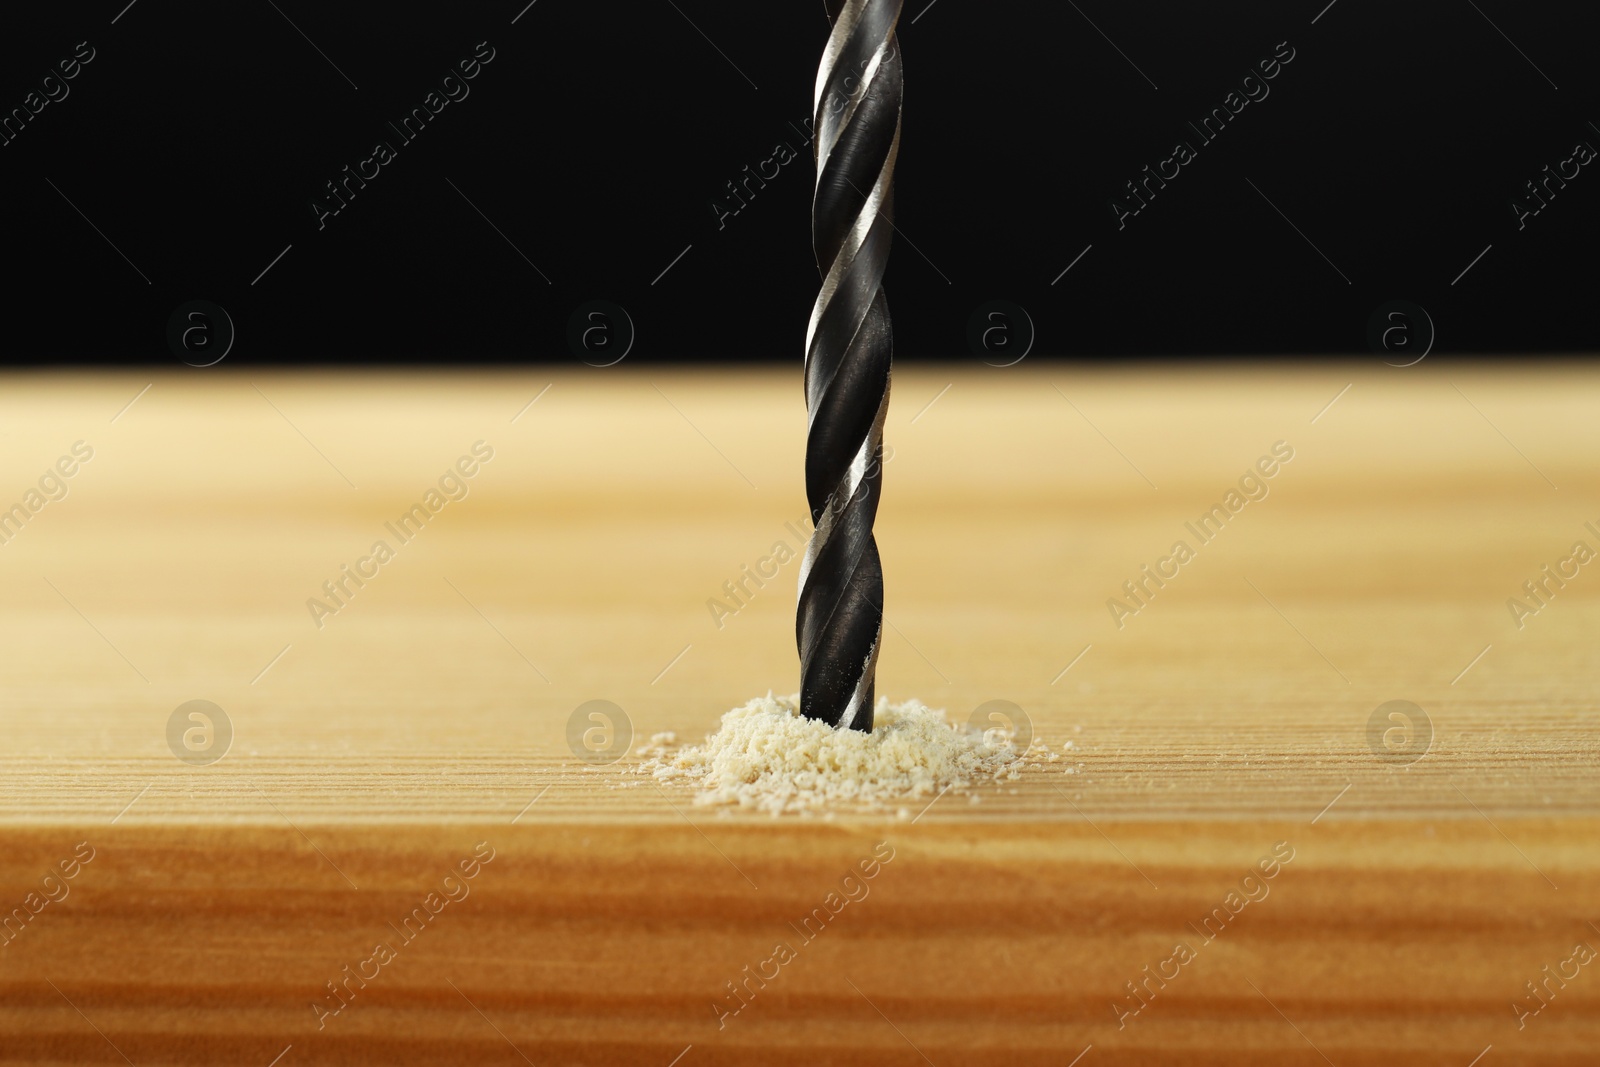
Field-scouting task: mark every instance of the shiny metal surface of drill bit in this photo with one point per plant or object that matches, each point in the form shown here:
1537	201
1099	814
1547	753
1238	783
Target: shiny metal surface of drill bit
849	345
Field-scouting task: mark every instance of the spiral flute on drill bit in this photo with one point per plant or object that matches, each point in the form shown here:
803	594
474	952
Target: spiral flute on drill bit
839	621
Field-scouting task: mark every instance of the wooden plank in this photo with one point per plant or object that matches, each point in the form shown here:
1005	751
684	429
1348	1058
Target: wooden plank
428	713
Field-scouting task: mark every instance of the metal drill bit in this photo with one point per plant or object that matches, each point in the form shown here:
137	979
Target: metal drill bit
839	621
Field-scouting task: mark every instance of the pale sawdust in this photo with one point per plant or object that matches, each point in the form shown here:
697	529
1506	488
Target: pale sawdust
768	757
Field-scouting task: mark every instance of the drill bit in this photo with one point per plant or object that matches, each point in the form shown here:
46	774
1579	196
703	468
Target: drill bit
839	621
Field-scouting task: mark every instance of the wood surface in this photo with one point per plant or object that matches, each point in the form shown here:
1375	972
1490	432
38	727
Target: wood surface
372	755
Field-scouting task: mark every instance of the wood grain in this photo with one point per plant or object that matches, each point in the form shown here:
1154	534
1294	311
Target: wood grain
372	753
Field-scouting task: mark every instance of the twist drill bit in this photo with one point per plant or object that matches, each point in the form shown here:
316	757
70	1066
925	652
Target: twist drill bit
839	620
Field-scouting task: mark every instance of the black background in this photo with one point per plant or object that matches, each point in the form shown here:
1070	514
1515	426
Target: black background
598	136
